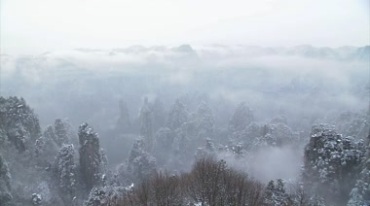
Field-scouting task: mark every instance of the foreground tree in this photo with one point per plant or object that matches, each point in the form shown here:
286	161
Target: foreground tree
213	183
331	164
210	182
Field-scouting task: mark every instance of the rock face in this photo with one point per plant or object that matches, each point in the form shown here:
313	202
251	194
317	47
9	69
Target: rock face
65	170
18	123
90	159
5	194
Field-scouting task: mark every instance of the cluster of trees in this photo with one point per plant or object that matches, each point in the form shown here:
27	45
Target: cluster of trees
336	166
210	182
176	162
42	168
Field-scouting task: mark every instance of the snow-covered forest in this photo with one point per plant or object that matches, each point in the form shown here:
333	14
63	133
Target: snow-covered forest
180	126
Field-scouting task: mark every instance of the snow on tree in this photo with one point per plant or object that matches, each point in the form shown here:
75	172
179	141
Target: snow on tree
241	118
141	164
178	115
138	148
194	132
65	171
245	138
60	133
255	136
90	157
18	122
105	196
36	199
275	135
360	194
104	160
4	142
48	145
275	194
122	175
209	150
123	123
146	128
210	145
5	188
331	163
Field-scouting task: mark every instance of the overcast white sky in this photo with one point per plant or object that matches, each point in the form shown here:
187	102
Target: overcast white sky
34	26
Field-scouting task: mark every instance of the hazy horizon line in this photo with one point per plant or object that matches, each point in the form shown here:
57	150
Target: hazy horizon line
175	46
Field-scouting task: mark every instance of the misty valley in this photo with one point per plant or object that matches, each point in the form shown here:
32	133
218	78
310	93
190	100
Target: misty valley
186	126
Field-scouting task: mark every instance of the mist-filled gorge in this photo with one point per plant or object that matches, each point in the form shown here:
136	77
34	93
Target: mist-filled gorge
184	103
166	126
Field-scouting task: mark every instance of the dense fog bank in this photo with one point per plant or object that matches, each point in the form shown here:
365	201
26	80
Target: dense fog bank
304	82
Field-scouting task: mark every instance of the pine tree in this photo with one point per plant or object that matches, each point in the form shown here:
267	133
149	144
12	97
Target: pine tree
141	164
105	196
275	134
275	194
